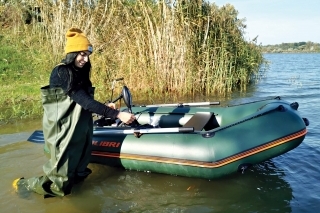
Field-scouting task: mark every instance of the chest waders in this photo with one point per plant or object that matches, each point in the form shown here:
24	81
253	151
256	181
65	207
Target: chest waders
67	130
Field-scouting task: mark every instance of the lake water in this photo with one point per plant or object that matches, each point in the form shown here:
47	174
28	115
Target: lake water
288	183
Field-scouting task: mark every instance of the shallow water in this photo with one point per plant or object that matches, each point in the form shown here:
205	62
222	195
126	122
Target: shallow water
288	183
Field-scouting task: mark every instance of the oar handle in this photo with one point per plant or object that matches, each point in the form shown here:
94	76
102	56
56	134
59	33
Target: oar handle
186	129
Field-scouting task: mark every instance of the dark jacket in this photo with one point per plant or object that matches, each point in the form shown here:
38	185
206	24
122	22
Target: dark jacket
75	83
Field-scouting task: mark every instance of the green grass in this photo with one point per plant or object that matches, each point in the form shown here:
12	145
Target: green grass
19	82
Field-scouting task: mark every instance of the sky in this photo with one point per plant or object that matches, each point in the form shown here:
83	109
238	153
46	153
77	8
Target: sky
278	21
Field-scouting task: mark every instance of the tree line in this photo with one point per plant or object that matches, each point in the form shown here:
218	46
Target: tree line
292	47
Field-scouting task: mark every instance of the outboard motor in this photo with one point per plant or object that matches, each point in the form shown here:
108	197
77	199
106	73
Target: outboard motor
127	98
126	95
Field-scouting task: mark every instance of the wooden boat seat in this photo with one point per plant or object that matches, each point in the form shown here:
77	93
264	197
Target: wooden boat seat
199	121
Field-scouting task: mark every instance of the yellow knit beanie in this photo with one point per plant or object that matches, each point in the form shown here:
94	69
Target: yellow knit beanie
77	41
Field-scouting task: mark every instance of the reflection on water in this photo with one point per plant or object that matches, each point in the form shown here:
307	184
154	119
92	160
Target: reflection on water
110	189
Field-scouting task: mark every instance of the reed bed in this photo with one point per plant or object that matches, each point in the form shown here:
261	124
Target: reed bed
161	48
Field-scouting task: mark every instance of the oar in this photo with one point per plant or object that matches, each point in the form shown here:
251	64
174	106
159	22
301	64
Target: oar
37	136
104	131
185	104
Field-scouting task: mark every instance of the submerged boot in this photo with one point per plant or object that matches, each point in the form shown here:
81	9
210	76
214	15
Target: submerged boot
40	185
21	187
44	186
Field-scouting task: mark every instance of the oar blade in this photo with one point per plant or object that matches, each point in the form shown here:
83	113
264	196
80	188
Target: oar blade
36	137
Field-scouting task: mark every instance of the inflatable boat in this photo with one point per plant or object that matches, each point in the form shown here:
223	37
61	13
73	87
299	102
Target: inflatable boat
197	140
